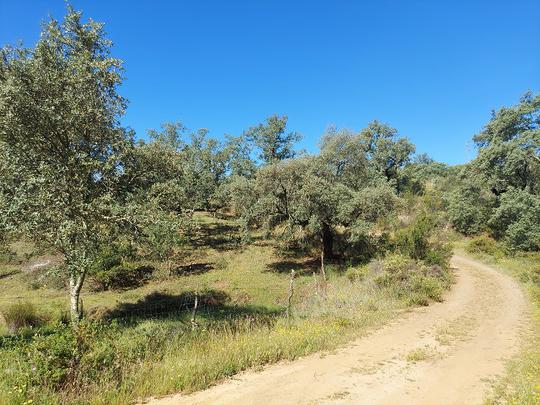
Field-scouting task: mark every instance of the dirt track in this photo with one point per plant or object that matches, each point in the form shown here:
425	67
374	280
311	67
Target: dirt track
446	353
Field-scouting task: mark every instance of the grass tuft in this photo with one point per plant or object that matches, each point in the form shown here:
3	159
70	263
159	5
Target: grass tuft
21	315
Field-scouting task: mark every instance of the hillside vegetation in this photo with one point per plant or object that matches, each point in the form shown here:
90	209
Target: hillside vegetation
134	267
141	341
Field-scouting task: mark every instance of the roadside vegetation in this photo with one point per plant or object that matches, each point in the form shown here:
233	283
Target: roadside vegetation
134	267
521	384
143	341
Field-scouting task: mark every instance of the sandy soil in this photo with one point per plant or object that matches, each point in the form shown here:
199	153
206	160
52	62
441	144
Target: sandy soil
447	353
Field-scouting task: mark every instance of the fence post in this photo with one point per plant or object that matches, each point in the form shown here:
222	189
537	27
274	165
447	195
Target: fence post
194	313
291	291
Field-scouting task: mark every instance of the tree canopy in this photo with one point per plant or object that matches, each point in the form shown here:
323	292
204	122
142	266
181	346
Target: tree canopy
62	145
272	140
499	191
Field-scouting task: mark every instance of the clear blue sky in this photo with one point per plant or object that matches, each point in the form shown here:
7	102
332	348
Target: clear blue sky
432	69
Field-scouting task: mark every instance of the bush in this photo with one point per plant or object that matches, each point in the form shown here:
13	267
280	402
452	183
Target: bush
439	255
7	256
21	315
516	220
57	359
482	244
469	207
397	269
124	276
413	241
356	274
424	289
414	282
69	360
418	241
112	255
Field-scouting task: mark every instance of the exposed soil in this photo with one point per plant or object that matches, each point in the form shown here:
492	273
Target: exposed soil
447	353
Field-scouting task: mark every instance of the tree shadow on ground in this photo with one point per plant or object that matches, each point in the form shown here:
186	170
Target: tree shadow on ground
193	269
217	236
9	274
302	268
213	305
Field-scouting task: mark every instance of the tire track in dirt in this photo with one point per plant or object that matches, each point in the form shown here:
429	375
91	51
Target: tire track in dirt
446	353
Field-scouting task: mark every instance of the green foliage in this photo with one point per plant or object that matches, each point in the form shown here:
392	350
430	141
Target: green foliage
396	269
67	358
61	144
482	244
309	198
357	274
292	193
238	150
122	276
181	170
163	234
112	255
516	220
385	150
439	254
469	207
420	241
425	289
499	191
420	174
272	141
509	147
21	315
415	283
6	255
413	241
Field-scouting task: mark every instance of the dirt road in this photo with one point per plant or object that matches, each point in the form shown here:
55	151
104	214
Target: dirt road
446	353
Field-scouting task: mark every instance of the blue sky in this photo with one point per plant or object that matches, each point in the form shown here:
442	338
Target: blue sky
432	69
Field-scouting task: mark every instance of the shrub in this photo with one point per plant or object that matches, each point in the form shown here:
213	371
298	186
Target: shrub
469	207
425	288
112	255
124	276
397	268
439	255
516	220
7	256
418	242
69	360
57	359
413	241
417	284
356	274
482	244
21	315
51	357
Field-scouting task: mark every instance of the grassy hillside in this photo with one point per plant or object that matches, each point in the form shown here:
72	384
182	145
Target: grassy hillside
143	342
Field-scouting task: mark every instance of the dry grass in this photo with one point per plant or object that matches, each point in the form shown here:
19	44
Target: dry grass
422	354
151	356
521	383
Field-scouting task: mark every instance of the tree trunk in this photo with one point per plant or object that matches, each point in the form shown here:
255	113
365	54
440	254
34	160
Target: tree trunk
328	242
75	284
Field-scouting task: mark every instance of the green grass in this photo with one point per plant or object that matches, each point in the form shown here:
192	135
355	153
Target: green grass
521	382
143	356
